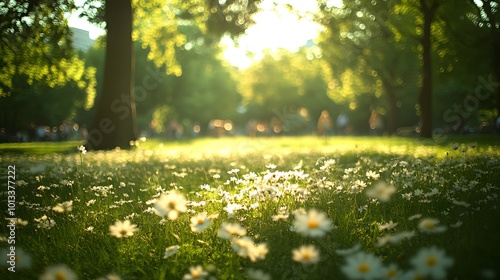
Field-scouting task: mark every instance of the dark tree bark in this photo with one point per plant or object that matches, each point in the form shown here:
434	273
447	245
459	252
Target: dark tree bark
428	9
391	106
388	77
495	43
114	122
496	65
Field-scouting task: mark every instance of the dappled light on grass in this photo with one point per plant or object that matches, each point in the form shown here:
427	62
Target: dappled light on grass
283	208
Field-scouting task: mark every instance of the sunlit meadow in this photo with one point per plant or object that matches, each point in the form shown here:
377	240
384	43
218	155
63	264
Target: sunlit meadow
264	208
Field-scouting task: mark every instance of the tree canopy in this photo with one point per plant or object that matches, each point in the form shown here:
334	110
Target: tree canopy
36	44
37	58
431	65
392	49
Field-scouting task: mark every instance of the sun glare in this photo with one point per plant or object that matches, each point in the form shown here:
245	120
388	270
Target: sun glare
74	20
275	28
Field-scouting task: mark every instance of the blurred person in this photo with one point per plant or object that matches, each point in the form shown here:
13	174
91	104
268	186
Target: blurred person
65	131
196	130
216	128
498	124
172	129
75	132
42	133
252	128
54	134
179	131
376	124
325	125
4	137
84	133
342	122
32	133
276	125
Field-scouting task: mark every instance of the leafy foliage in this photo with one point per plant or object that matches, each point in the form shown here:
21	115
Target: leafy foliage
37	57
374	50
36	43
283	82
369	56
156	23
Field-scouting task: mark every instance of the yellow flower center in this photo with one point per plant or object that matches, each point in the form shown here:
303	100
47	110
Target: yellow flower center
363	268
171	205
429	225
123	232
382	192
432	261
312	224
392	273
60	276
196	275
306	256
200	221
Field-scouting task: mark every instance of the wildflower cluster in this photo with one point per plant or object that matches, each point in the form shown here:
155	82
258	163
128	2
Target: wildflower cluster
264	216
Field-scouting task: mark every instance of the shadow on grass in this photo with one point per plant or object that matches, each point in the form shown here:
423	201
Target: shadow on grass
480	139
39	148
265	143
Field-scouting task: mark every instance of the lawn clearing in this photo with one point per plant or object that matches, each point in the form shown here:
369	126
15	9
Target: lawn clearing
265	208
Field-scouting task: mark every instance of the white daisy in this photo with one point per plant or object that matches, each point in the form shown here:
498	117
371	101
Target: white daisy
242	245
280	216
110	276
349	251
372	175
391	272
432	261
228	231
45	222
195	272
231	208
306	254
82	149
363	266
245	247
395	238
170	251
413	217
58	272
200	222
257	252
21	222
122	229
18	259
171	205
312	224
412	275
430	225
381	191
66	206
257	274
387	226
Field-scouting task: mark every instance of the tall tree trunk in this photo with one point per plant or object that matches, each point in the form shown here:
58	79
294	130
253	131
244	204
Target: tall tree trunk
114	122
496	65
392	110
494	87
495	36
425	99
489	8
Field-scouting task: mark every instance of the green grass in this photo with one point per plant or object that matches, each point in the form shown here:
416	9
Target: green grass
38	148
457	187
